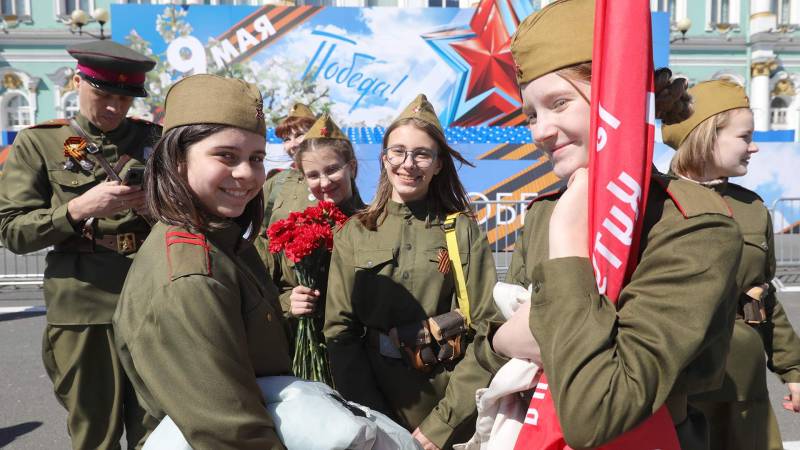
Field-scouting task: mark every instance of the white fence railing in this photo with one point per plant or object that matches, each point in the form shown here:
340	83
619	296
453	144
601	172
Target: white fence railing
501	220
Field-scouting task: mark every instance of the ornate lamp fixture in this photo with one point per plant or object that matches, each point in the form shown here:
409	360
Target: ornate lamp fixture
78	19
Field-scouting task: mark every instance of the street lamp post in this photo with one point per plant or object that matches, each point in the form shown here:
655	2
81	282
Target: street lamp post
683	26
78	19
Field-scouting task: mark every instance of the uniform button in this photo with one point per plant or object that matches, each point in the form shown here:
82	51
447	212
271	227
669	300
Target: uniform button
369	263
74	182
405	275
269	317
408	246
764	246
537	286
409	222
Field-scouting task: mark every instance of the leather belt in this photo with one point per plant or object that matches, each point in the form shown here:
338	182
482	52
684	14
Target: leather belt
122	243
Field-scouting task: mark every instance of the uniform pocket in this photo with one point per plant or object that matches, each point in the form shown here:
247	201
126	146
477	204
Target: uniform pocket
69	181
374	259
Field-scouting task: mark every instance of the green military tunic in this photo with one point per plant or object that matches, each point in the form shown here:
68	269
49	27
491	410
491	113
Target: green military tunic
389	277
739	413
197	322
80	288
610	367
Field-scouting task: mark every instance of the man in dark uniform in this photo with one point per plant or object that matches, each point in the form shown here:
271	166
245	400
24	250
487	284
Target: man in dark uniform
74	185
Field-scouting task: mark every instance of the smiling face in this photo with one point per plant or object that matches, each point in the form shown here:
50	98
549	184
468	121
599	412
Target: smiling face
409	181
734	146
558	117
328	175
104	110
226	170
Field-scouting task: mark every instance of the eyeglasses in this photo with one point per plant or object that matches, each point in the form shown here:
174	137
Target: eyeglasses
422	157
332	173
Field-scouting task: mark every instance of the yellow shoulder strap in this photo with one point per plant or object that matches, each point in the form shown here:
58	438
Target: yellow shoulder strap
455	259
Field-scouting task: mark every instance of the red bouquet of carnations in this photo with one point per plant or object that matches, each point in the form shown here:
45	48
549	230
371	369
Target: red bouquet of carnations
306	238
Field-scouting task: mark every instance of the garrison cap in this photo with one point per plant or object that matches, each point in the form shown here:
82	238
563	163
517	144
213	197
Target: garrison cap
213	99
557	36
112	67
301	110
325	127
420	108
710	98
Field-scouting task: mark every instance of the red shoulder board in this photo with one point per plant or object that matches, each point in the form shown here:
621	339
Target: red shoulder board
187	254
545	195
55	123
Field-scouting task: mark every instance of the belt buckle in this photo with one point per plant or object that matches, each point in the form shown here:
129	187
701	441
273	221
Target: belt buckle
126	243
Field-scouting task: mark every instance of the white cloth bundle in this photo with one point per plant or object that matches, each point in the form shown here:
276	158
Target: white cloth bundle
309	416
501	408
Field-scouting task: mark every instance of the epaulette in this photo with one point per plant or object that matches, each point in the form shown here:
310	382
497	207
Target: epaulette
546	195
55	123
690	198
742	193
187	254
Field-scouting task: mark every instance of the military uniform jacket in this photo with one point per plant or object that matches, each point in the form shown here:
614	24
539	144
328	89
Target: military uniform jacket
389	277
196	324
79	288
609	368
775	335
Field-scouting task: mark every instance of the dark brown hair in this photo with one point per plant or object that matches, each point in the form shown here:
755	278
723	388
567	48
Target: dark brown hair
445	195
293	125
169	198
673	102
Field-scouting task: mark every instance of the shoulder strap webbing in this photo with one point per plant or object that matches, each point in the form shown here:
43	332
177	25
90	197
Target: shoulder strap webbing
458	271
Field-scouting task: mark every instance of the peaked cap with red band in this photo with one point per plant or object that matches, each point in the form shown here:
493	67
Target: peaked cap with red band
112	67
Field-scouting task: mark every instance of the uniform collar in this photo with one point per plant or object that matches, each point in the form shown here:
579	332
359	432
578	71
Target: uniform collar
228	238
719	184
418	209
351	205
92	130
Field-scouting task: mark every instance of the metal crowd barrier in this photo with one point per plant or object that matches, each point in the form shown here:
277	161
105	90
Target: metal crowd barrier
502	222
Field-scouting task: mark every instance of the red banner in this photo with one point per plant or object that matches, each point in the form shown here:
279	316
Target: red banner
623	119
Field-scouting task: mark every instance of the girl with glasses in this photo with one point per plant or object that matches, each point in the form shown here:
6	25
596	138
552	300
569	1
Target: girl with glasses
328	164
714	145
608	366
391	285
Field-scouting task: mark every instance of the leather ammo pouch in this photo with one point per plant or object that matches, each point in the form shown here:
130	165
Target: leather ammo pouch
753	306
430	341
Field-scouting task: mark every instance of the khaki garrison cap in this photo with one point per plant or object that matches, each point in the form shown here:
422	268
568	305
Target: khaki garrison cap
325	127
558	36
301	110
710	98
420	108
212	99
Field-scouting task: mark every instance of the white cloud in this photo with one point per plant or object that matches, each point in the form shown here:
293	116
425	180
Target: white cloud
775	166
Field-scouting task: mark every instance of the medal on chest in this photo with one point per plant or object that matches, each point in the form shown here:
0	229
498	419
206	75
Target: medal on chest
75	151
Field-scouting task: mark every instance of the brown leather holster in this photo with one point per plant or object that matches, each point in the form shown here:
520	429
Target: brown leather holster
753	305
431	341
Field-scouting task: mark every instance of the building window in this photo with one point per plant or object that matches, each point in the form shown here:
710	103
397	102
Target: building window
777	110
787	12
20	8
17	112
723	15
667	6
65	7
70	105
443	3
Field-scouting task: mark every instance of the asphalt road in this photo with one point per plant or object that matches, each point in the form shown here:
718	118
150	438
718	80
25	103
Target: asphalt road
31	419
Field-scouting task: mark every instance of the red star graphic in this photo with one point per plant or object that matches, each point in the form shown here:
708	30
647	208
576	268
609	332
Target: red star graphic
489	53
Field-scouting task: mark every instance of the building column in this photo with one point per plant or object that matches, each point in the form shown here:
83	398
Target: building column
761	17
759	93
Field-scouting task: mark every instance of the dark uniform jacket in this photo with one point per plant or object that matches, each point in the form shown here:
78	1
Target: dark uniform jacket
197	323
79	288
389	277
611	367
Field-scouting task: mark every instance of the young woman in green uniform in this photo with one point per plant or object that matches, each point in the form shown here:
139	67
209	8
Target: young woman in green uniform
197	320
611	366
329	167
713	145
391	270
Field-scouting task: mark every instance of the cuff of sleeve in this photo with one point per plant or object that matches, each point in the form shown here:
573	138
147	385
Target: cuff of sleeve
792	376
489	358
568	279
60	221
436	430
